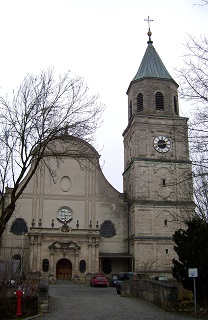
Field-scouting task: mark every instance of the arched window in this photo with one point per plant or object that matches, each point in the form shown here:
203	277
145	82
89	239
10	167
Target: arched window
17	263
82	266
45	265
139	102
159	101
107	266
19	226
16	257
130	110
175	105
107	229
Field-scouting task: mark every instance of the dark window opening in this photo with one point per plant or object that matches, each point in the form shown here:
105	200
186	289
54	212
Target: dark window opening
166	222
163	182
130	110
82	266
19	226
107	266
17	263
16	257
159	101
45	265
166	251
139	102
107	229
175	106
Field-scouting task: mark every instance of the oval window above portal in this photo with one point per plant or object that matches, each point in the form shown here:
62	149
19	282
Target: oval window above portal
107	229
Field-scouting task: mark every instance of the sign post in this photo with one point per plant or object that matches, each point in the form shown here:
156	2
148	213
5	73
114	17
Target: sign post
193	273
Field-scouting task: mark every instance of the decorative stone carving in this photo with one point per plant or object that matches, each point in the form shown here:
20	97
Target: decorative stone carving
64	245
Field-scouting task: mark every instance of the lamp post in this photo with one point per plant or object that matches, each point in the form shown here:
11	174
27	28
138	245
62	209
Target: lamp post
22	252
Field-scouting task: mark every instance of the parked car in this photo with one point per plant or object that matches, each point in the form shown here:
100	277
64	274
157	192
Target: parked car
98	280
123	276
161	278
112	280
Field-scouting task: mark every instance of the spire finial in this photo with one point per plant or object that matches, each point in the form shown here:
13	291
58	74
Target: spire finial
149	33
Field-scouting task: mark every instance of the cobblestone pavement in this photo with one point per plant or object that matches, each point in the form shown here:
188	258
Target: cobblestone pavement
79	302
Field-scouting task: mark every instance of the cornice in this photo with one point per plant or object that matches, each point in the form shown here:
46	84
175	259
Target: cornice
151	238
169	161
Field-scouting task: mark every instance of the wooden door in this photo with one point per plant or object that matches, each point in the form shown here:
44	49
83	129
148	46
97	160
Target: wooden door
63	269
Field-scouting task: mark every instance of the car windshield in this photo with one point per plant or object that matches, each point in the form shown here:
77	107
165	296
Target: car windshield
124	276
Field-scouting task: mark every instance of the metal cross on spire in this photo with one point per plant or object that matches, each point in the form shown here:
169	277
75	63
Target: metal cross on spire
148	20
149	33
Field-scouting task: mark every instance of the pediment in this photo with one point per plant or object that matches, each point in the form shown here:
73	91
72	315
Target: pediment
64	245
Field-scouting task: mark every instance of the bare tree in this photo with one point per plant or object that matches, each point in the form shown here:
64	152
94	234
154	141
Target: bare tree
201	192
41	110
203	3
194	74
194	88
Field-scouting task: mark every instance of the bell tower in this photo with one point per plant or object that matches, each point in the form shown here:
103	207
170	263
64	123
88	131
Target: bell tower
157	169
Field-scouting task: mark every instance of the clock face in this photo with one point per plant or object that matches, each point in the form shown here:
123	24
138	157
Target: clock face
64	214
161	144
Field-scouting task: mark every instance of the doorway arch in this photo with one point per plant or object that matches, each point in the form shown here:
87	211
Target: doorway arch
64	269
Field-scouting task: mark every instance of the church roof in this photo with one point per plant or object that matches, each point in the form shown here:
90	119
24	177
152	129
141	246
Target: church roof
151	65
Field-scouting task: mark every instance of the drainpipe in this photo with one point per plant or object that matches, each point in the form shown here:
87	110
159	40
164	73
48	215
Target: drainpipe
126	199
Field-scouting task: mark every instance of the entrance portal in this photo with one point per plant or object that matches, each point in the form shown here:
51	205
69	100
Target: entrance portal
64	269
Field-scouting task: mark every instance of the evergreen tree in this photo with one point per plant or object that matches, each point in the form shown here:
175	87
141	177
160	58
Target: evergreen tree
192	250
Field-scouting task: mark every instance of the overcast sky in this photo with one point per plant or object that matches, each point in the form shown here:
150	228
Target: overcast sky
102	41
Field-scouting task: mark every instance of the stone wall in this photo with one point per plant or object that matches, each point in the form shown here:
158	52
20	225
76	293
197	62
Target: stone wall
164	295
43	296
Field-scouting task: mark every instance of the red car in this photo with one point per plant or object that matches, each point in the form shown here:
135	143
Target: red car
98	281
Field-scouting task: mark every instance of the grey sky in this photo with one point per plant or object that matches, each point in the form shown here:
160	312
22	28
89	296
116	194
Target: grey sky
103	41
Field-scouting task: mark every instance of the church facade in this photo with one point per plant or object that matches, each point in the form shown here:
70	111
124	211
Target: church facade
77	223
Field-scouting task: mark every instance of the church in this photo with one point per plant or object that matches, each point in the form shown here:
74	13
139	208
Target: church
80	224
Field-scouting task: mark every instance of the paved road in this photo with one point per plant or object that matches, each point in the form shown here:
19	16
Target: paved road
78	302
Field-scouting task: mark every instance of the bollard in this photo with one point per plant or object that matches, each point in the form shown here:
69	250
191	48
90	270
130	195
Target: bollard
19	293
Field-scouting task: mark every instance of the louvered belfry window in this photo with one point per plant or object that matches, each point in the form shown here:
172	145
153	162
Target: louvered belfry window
175	105
159	101
130	110
139	102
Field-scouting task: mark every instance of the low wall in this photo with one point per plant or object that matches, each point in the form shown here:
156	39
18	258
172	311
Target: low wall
43	296
164	295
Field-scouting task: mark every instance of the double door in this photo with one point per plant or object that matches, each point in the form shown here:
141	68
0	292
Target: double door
64	269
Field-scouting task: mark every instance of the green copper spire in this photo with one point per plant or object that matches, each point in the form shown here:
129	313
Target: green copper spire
151	65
